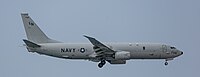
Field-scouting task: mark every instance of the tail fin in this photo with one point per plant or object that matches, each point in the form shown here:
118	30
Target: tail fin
33	32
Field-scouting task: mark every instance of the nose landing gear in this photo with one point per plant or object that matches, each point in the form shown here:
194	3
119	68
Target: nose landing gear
168	59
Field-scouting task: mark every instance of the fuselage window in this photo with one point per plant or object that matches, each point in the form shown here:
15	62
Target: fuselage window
144	48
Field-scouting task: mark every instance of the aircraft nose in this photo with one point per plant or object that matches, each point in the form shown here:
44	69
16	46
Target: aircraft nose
181	52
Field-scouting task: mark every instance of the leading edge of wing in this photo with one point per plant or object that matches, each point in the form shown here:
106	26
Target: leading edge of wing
98	44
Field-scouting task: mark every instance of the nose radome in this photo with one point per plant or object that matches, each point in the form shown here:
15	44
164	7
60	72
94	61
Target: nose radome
181	52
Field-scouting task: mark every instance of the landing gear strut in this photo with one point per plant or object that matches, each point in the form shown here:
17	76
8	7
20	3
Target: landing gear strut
102	63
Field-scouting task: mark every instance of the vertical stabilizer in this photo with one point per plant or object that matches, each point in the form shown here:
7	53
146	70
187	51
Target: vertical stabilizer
33	32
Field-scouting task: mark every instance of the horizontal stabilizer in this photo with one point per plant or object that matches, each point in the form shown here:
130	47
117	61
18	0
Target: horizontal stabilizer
31	44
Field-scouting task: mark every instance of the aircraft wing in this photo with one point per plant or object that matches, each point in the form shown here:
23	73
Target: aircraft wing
99	48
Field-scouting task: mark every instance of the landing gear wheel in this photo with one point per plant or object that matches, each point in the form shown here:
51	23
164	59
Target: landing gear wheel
103	62
100	65
166	63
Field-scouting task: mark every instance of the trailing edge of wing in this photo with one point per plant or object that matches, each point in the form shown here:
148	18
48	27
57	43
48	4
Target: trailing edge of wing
31	44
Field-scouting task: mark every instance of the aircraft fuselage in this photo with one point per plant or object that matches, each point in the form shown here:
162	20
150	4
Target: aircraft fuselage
114	53
84	50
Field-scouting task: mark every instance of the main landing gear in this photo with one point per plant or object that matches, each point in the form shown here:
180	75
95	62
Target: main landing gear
102	63
166	63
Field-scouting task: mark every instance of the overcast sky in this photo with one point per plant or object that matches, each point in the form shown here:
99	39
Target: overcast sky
173	22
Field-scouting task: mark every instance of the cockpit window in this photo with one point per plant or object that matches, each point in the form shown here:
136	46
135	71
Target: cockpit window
172	47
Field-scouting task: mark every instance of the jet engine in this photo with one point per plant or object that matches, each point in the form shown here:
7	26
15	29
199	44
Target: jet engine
122	55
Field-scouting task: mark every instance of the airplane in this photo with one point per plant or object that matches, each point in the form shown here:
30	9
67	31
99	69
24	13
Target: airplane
96	51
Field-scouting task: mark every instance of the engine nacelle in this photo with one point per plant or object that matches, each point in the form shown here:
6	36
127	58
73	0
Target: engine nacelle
122	55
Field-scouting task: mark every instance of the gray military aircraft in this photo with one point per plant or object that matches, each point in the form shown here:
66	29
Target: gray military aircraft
96	51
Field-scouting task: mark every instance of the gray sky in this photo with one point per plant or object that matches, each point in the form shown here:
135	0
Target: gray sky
173	22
